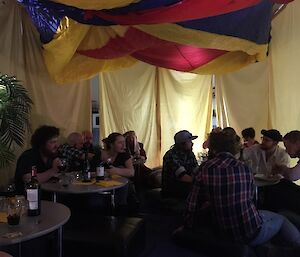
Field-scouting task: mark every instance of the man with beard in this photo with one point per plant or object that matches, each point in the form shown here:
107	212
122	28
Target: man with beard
178	166
43	155
263	157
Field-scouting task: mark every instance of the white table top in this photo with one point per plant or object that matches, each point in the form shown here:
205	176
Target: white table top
53	215
260	180
80	188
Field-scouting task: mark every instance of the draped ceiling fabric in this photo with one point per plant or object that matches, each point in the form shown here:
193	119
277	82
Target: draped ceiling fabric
65	107
81	38
156	103
242	98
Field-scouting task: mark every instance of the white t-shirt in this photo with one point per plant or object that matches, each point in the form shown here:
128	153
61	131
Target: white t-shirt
256	158
293	174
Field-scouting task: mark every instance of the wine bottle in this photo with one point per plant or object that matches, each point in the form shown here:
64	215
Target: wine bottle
86	169
33	194
100	172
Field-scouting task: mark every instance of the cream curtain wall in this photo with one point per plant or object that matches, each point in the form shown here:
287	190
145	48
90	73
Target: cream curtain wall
128	102
242	98
67	107
284	72
156	103
185	103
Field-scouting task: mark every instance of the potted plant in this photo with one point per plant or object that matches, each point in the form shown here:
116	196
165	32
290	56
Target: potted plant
15	107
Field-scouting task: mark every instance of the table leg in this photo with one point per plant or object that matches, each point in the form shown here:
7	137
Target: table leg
20	249
54	197
256	196
112	202
59	241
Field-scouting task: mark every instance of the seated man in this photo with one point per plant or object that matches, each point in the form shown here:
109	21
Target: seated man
87	137
92	149
178	166
267	154
292	144
224	188
286	193
73	151
248	135
43	155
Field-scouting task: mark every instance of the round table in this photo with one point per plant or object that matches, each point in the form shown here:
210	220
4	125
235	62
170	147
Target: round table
53	216
84	189
81	188
258	182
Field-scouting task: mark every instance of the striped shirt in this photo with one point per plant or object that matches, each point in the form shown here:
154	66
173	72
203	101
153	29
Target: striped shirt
226	185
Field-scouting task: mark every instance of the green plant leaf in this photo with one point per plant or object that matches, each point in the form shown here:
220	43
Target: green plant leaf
15	107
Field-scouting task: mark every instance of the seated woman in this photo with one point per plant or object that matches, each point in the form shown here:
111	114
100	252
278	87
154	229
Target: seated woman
120	162
137	152
133	147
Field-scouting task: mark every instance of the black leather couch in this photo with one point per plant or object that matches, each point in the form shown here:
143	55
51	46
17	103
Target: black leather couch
207	242
92	235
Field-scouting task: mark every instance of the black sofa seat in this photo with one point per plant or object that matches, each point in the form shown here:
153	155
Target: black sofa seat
104	236
207	242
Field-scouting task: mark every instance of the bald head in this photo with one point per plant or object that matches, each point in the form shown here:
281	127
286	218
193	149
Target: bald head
75	139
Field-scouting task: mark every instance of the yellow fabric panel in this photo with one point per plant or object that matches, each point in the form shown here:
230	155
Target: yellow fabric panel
128	102
66	66
96	4
242	98
226	63
98	37
20	55
82	67
185	103
178	34
58	52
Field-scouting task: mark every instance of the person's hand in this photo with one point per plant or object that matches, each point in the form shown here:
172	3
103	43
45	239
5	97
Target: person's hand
55	163
111	170
278	169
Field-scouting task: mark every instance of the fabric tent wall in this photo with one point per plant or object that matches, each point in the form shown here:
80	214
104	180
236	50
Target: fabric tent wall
284	72
67	107
128	102
266	94
155	103
242	98
185	103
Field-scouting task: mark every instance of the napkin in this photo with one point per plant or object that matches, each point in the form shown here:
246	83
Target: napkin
108	183
3	217
84	183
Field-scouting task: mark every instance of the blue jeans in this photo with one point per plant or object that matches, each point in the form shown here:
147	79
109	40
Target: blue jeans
276	224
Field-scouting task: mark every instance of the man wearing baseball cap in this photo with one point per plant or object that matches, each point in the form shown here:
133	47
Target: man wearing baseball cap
178	166
266	155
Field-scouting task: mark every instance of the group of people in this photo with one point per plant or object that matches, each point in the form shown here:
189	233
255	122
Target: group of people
220	192
47	155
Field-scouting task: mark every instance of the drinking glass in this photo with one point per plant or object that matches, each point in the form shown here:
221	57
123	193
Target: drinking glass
13	212
3	204
23	203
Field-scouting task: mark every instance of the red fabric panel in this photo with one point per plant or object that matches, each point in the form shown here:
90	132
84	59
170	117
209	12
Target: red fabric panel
155	51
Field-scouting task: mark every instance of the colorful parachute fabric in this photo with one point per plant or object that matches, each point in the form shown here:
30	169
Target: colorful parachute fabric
82	38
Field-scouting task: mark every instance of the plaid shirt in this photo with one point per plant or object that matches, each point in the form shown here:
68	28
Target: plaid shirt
226	185
72	155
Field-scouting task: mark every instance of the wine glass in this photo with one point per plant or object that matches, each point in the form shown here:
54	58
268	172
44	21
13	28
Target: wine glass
62	165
